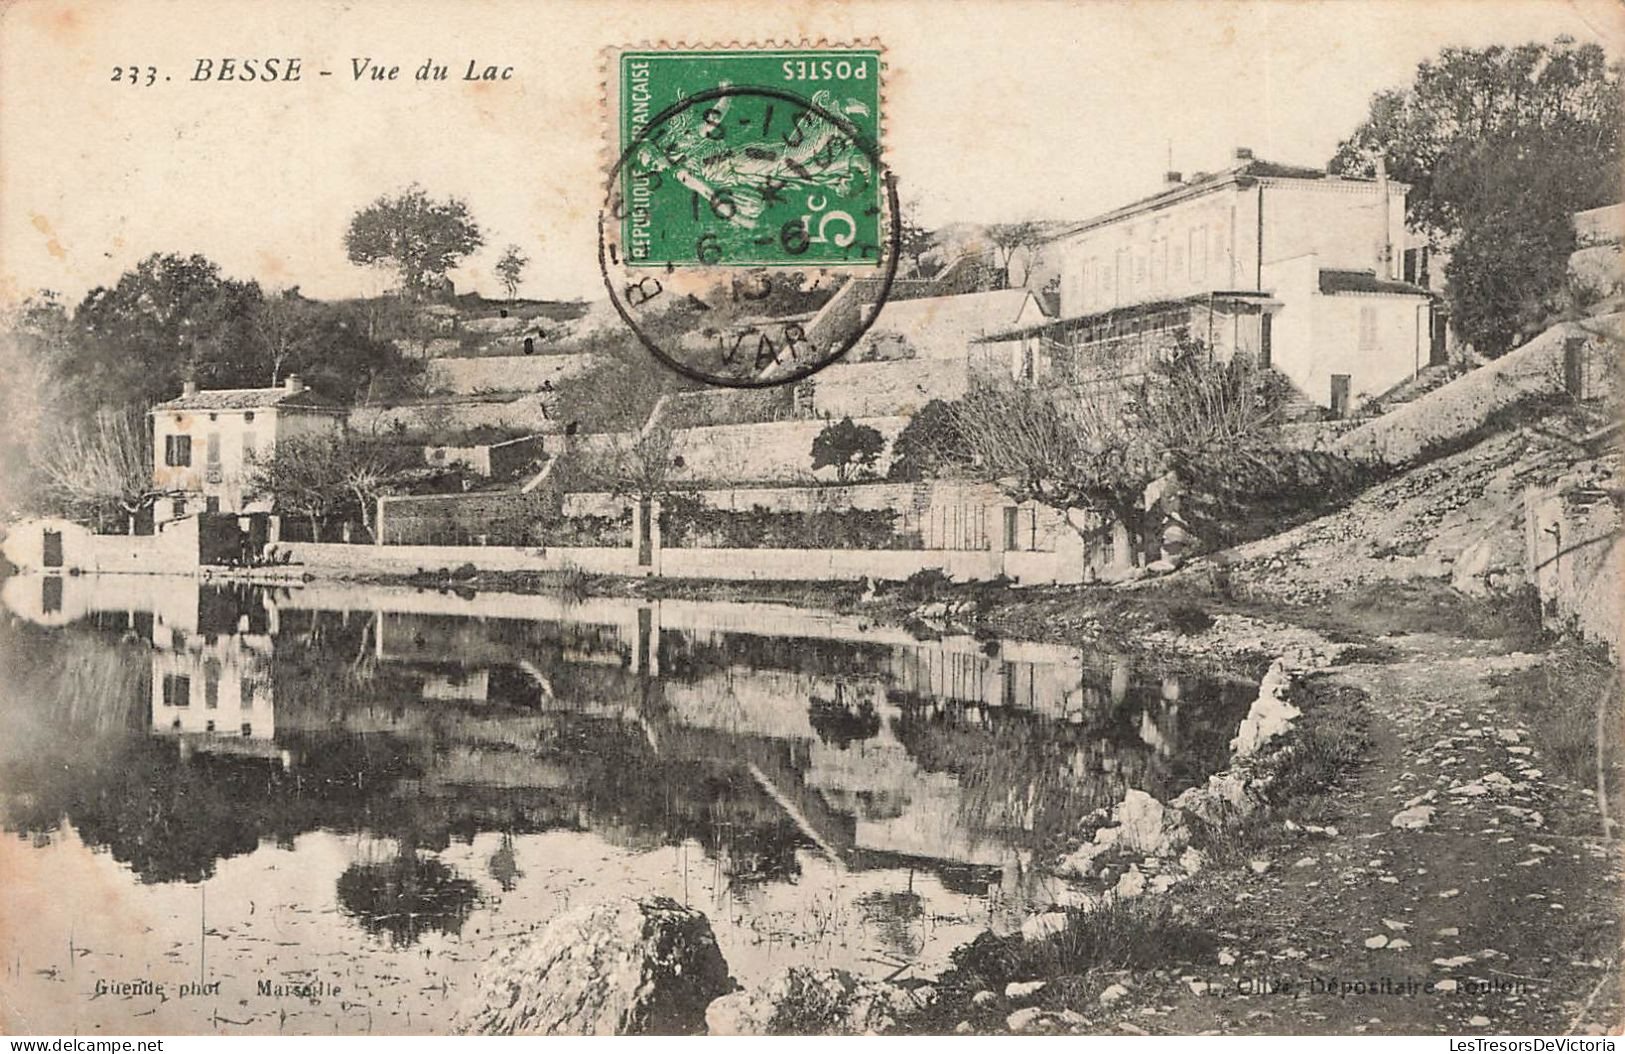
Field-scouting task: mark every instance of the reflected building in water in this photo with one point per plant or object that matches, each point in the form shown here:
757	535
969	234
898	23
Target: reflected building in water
752	728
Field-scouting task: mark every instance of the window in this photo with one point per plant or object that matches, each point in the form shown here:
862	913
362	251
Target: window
248	417
1368	328
177	508
213	447
177	690
178	451
248	447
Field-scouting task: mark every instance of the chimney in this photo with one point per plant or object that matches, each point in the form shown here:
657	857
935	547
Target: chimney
189	387
294	383
1244	153
1172	179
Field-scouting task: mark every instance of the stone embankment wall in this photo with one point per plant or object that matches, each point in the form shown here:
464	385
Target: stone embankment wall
504	373
866	389
1575	560
1455	410
334	559
529	413
174	549
455	519
779	451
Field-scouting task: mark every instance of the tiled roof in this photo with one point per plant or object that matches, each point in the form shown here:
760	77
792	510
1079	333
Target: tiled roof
1334	282
249	399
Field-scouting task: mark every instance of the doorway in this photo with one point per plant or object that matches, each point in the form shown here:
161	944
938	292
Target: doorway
52	556
1340	395
645	533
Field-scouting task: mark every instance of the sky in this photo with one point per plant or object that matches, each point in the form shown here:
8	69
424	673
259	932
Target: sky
993	111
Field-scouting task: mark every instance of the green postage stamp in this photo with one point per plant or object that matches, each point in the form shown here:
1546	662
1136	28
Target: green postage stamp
749	157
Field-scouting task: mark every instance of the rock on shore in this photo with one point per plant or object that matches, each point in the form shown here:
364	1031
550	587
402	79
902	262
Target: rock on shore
628	967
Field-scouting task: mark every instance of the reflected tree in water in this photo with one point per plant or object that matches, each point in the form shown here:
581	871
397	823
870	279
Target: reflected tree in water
503	865
840	722
406	897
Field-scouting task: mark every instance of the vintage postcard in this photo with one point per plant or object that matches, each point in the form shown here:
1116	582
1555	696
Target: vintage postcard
897	518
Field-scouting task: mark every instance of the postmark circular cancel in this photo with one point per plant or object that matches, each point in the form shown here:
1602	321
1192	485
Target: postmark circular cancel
749	233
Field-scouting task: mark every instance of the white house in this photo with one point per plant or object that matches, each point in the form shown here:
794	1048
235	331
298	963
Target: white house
1292	265
203	440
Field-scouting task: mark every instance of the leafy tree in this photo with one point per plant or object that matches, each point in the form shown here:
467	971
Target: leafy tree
915	241
927	445
511	268
419	237
847	447
1013	240
1499	145
406	897
170	318
840	721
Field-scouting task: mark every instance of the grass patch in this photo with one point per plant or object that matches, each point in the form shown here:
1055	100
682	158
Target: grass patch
1573	706
1375	653
1328	742
1389	608
1143	933
1188	619
1326	745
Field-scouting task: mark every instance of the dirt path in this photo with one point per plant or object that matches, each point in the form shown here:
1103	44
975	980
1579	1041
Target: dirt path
1509	890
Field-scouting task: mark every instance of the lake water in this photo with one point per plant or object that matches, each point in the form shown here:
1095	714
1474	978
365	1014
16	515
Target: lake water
221	790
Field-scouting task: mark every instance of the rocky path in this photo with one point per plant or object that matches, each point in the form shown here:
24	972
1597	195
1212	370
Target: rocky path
1459	862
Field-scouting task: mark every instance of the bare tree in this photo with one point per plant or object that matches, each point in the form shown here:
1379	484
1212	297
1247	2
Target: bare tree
93	470
321	475
644	469
915	241
282	325
1095	450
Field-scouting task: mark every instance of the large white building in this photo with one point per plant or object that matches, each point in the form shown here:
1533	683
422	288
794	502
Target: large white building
203	441
1297	267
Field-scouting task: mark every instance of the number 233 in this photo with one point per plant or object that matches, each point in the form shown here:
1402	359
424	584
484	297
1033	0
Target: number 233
144	76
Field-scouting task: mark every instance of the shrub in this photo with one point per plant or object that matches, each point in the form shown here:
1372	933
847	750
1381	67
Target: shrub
1120	934
847	447
1188	618
926	584
692	524
927	444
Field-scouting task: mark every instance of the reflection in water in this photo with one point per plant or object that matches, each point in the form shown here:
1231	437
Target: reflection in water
874	783
406	896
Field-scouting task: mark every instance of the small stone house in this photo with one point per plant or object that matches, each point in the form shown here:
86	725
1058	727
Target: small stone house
203	441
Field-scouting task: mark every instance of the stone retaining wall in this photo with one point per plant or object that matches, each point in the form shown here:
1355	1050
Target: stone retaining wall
1466	403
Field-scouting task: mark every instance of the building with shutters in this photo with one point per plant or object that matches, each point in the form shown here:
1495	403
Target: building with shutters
203	441
1295	266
